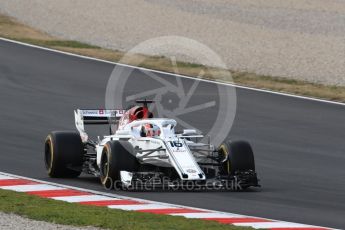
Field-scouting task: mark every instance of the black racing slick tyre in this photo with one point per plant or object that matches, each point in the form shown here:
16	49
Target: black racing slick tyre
63	154
117	156
239	156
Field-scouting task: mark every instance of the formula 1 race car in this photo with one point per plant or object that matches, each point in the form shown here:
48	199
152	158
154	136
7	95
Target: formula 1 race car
145	152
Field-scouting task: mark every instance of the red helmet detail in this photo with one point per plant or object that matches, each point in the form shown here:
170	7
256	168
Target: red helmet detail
138	112
135	113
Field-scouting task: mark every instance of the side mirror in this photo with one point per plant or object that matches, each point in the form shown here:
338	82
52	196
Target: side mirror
189	132
123	132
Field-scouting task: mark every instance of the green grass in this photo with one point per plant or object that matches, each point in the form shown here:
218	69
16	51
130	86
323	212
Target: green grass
78	215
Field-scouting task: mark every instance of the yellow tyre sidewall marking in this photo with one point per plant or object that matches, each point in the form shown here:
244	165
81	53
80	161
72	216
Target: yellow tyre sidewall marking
104	180
226	152
51	147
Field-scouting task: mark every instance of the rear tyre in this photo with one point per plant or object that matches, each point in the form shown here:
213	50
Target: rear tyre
117	156
239	155
63	154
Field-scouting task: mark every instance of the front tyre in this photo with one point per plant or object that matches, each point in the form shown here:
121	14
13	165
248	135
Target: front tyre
239	164
117	156
63	154
239	155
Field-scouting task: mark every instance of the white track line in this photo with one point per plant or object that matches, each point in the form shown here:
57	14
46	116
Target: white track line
32	188
174	74
134	207
268	225
99	196
4	177
208	215
83	198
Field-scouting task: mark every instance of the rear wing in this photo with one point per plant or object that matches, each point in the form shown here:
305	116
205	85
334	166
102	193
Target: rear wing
95	117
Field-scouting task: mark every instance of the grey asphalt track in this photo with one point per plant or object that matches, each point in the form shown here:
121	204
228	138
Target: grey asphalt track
299	144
